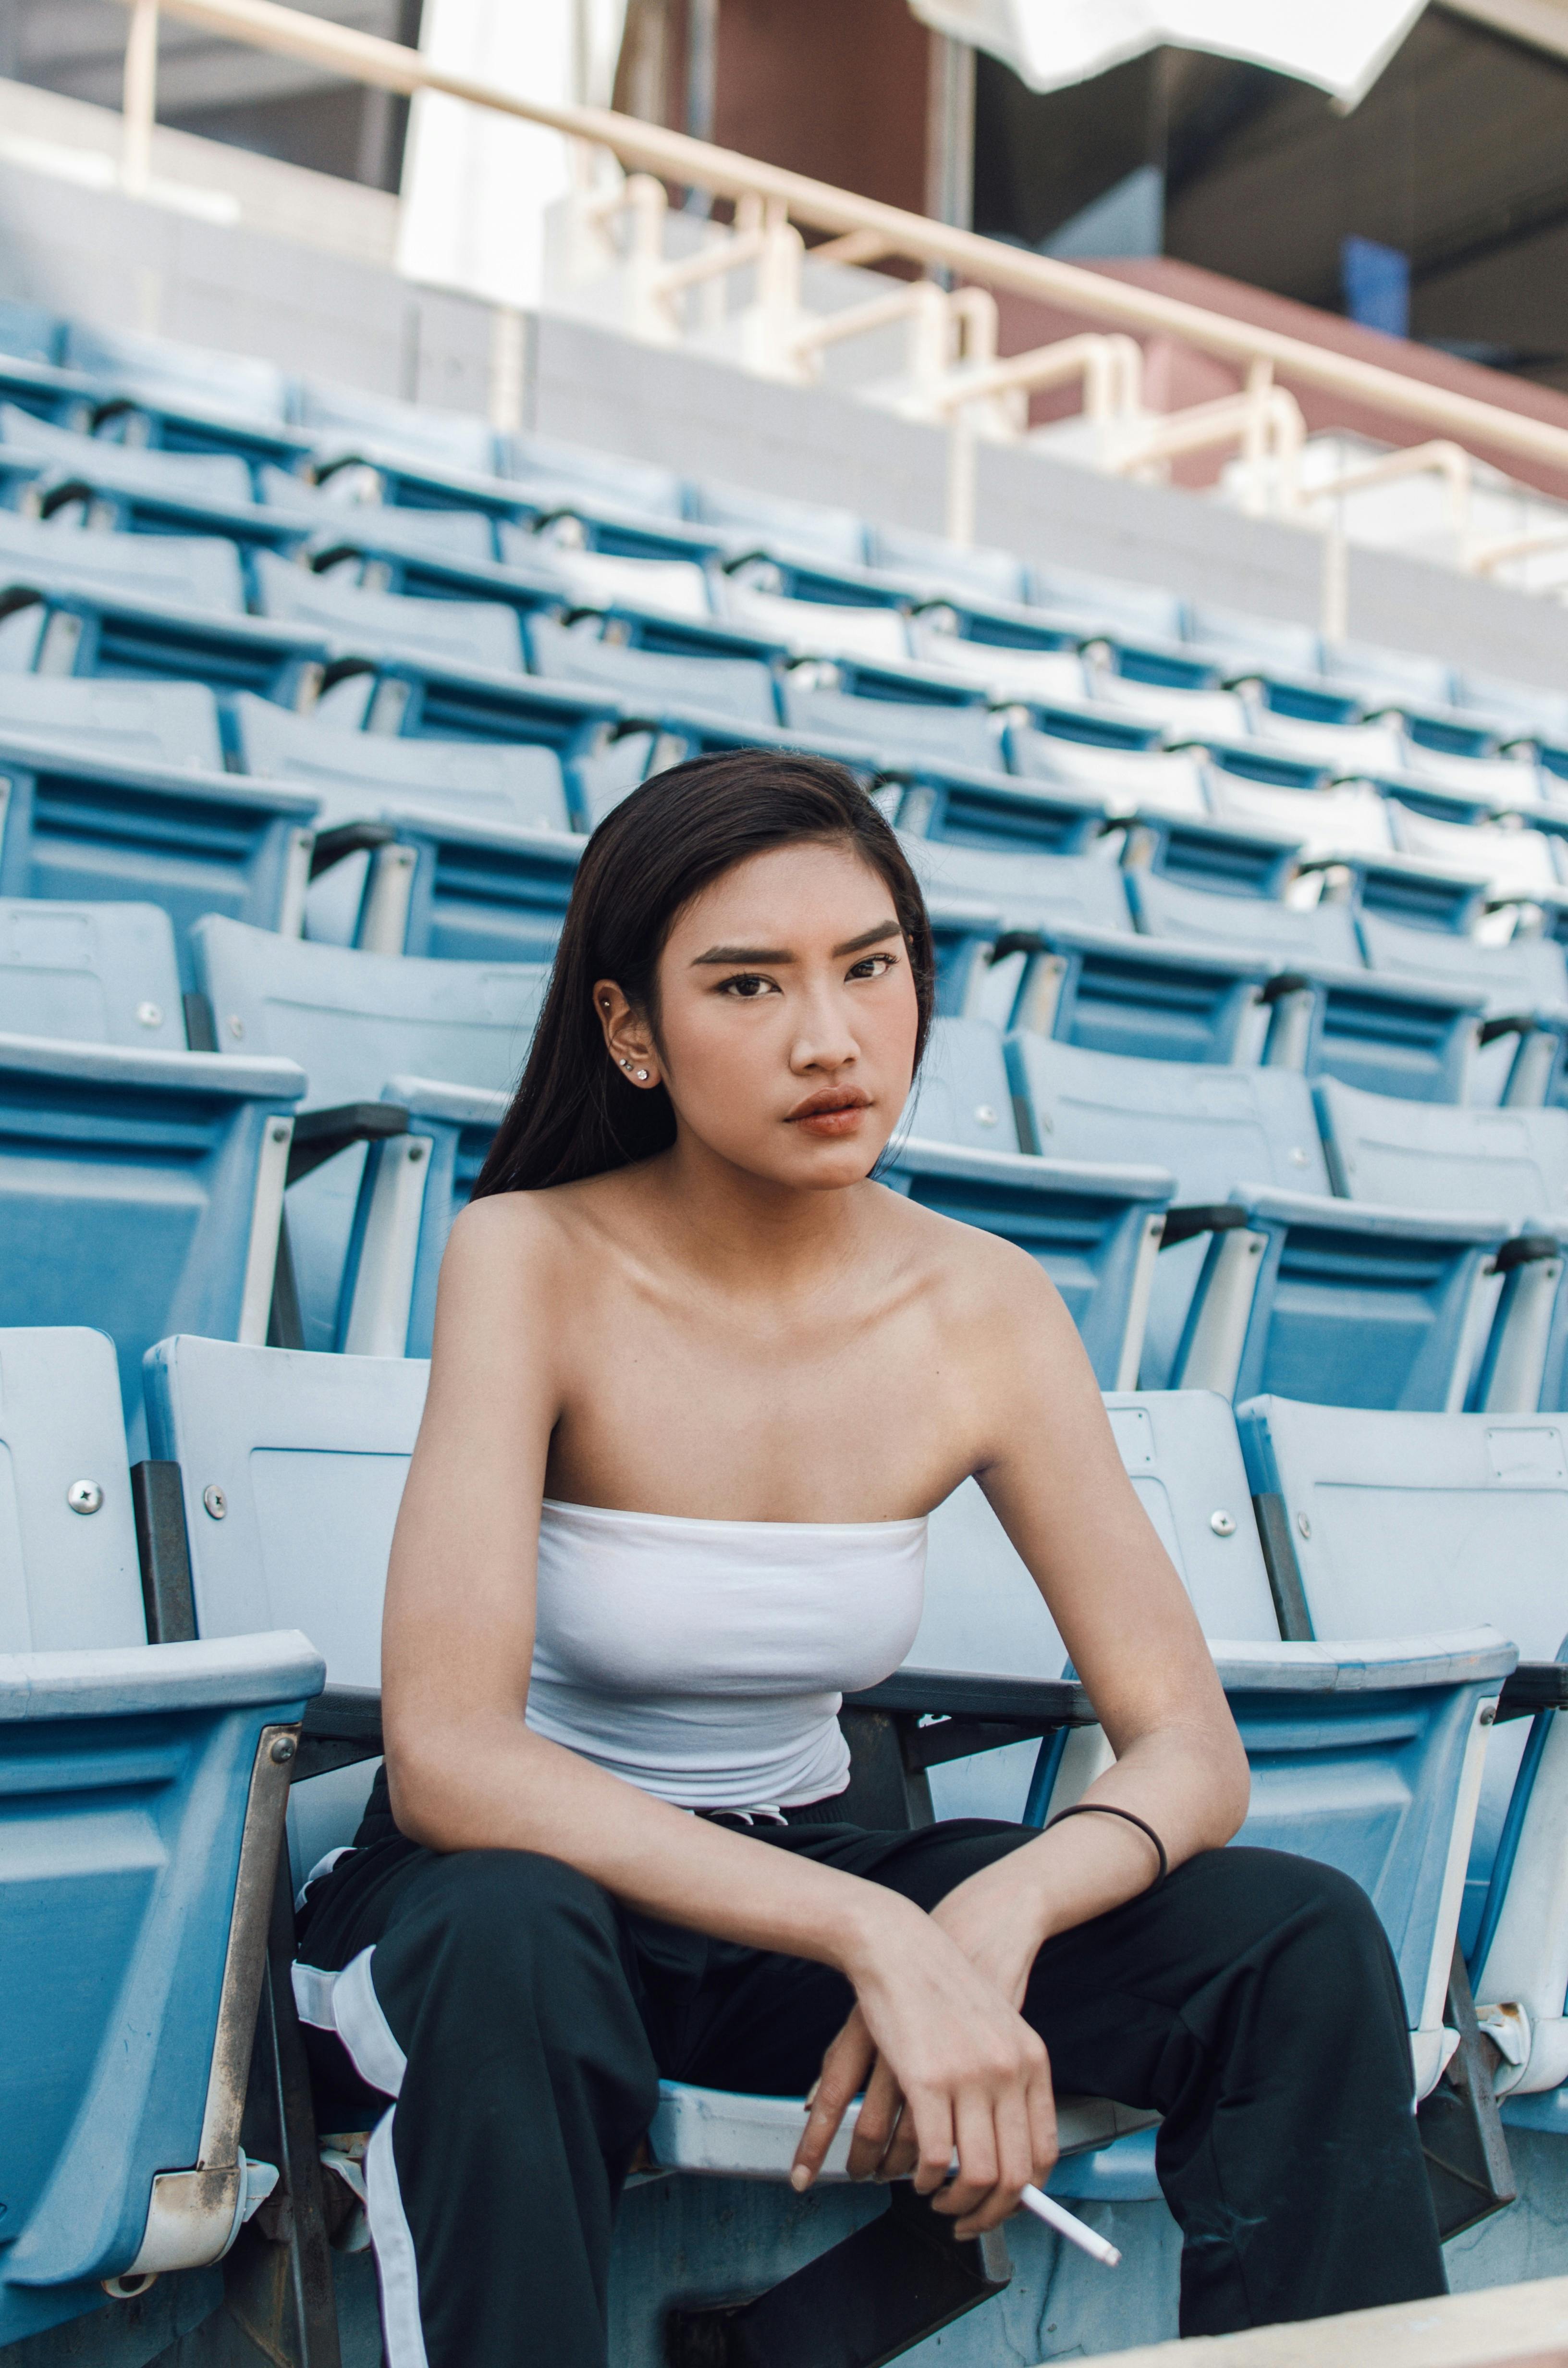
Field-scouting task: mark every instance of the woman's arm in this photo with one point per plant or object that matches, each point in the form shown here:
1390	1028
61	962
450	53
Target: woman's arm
466	1773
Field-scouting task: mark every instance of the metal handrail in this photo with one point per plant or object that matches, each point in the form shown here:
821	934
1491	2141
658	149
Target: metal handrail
863	227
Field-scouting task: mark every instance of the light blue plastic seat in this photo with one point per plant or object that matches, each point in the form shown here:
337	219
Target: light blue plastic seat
989	811
352	1020
168	369
141	1190
666	571
1112	992
90	974
942	567
950	724
546	467
1243	643
173	723
331	516
963	1094
1517	711
1030	890
339	414
352	773
753	521
1339	1021
186	572
144	1816
1525	980
467	892
743	688
31	332
1210	1126
457	632
1383	678
69	1582
1093	603
78	828
218	478
964	931
420	699
1359	1753
1395	1518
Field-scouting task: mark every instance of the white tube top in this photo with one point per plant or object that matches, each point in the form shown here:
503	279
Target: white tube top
705	1661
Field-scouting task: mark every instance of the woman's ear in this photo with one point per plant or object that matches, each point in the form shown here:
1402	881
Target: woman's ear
628	1038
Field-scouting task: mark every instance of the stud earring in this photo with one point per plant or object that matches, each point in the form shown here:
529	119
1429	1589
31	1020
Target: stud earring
626	1065
642	1076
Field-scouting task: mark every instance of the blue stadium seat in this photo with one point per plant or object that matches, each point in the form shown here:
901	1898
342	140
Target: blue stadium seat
220	481
166	369
336	518
1332	1018
144	1813
1111	992
411	1193
344	416
874	630
1525	980
906	717
352	773
1517	711
586	651
963	1094
1242	643
1030	890
939	567
596	578
172	723
990	813
548	470
141	1188
1394	1519
1317	1720
365	624
424	700
466	891
351	1020
1094	605
72	1582
91	973
1364	1303
964	931
752	521
31	332
75	827
188	571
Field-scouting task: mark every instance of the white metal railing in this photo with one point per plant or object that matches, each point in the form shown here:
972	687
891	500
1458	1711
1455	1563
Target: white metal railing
773	205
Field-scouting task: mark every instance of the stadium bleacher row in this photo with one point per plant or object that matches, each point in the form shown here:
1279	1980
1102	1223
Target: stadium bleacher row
1253	1012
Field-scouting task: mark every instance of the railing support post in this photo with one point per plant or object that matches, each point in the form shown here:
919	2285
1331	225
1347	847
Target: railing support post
140	97
1334	622
961	467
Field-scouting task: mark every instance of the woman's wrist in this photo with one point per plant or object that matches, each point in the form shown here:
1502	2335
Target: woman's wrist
872	1922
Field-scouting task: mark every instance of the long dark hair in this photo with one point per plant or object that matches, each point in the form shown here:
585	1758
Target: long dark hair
574	1113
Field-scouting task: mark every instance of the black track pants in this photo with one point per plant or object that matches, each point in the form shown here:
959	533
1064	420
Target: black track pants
522	2022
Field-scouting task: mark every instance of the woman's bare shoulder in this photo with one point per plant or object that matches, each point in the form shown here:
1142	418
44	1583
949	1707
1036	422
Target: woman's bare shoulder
534	1232
977	1283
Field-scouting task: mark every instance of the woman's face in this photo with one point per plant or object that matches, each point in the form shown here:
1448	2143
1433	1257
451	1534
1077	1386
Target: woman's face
787	1016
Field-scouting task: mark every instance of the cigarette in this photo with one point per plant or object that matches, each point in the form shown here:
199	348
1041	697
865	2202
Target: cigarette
1045	2207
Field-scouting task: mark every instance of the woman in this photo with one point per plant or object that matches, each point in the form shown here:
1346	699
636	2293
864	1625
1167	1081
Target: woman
698	1381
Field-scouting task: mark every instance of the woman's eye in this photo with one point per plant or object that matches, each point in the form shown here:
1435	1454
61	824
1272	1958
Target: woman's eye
872	966
747	987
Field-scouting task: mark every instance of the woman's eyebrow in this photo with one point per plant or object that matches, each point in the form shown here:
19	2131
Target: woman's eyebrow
720	954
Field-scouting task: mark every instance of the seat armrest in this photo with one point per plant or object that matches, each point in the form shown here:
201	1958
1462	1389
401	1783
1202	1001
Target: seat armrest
1184	1225
1526	1249
320	1135
1506	1023
1534	1686
975	1693
348	839
342	1727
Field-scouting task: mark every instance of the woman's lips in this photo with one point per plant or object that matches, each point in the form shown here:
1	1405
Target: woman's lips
830	1114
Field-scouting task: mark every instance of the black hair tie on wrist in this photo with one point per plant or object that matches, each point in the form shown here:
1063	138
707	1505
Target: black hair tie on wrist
1105	1809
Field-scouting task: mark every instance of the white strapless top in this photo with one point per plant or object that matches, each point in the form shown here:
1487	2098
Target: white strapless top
705	1661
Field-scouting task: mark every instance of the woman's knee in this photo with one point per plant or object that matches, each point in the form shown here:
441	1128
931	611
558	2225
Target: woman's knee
1311	1930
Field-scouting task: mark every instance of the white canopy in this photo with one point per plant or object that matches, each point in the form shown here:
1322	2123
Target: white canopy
1341	45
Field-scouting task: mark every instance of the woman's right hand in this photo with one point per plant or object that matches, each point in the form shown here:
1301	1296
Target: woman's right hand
944	2060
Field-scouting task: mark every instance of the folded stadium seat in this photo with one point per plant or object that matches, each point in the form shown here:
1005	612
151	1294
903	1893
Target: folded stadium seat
906	714
79	826
1361	1303
141	1188
598	578
180	398
1030	890
89	973
1307	1712
219	479
1243	644
353	1020
1416	689
964	931
942	569
1052	669
1252	787
1482	783
423	699
877	630
31	332
1523	983
1513	1161
348	771
587	651
172	723
1332	1018
990	810
1512	860
188	572
1112	992
751	521
465	892
548	469
1517	711
363	624
1350	751
1195	710
1385	1519
344	415
341	509
1100	604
